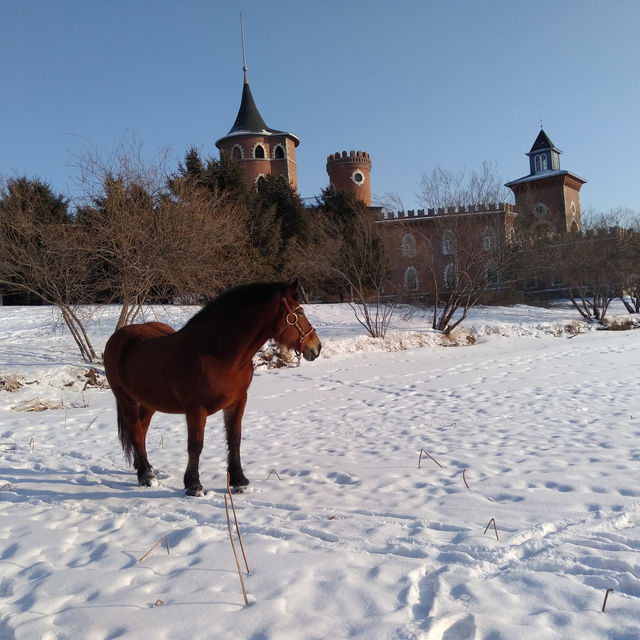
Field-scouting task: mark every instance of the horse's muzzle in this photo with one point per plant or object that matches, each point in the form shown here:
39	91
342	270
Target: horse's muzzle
311	351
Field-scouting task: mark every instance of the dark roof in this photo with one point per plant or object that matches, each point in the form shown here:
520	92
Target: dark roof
543	142
544	174
249	121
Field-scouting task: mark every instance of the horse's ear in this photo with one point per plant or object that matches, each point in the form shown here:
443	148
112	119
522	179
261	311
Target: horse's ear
294	288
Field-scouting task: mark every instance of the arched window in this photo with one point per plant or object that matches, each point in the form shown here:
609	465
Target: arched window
449	276
278	152
537	163
236	152
544	161
411	279
408	246
488	239
258	151
492	274
448	242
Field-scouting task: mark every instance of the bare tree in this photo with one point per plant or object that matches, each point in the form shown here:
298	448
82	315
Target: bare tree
594	267
444	188
469	255
468	247
349	254
43	254
155	244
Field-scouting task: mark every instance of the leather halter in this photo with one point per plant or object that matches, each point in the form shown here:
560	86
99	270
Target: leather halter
291	319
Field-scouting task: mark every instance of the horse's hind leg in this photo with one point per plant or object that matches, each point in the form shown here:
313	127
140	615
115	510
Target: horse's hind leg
133	435
148	477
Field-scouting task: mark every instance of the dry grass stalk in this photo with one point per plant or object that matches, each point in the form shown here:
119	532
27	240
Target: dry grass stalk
235	553
277	474
89	425
235	519
464	477
164	539
494	527
32	443
606	596
159	603
6	485
428	454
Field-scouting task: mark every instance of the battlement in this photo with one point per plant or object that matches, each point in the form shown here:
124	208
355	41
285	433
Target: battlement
411	214
353	157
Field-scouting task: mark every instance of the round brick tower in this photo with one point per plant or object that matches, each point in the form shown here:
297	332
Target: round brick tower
350	172
260	150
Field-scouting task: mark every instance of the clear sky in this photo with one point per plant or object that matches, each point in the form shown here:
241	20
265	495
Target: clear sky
416	84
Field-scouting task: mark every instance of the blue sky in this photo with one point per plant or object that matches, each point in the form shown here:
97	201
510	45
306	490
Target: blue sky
416	84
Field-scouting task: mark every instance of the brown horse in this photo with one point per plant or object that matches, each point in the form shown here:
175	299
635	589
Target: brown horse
202	368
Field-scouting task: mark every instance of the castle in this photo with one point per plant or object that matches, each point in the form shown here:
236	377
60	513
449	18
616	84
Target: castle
547	200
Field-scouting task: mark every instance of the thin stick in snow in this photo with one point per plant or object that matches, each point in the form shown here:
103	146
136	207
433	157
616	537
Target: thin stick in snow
606	596
235	518
464	477
164	539
277	474
32	443
428	454
494	527
235	553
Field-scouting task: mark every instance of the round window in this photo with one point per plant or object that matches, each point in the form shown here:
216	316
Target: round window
358	177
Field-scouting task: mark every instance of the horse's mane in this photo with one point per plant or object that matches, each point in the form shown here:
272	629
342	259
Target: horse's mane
254	294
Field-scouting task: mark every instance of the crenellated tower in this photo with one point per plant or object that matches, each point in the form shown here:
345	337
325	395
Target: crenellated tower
350	172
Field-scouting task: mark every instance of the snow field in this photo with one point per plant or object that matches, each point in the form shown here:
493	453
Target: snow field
354	540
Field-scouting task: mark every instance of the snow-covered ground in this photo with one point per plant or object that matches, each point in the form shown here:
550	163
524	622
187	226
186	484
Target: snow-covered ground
349	537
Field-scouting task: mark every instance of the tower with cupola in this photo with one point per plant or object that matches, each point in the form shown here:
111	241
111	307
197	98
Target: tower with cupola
548	199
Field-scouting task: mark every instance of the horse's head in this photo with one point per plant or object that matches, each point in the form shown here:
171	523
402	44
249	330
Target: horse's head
297	332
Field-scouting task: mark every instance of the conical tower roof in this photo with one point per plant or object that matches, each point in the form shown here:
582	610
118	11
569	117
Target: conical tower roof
249	122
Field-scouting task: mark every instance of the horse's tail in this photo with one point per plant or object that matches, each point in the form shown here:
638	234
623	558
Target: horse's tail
124	433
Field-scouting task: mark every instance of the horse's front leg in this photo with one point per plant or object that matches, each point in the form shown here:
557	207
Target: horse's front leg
196	419
233	424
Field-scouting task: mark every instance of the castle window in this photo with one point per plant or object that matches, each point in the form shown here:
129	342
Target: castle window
278	152
448	242
411	279
258	151
449	276
488	239
492	274
408	246
236	152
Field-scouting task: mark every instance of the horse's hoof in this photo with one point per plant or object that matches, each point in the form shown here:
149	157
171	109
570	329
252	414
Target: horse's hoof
195	492
241	488
148	479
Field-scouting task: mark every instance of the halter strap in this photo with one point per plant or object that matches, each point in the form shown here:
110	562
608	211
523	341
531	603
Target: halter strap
292	320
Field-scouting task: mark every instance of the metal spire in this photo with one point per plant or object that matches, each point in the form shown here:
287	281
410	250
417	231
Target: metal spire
244	57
